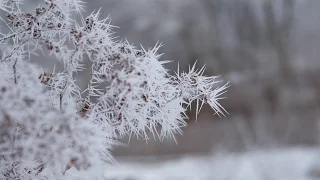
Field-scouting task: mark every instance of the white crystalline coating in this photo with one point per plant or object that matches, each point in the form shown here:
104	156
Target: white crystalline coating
33	132
48	125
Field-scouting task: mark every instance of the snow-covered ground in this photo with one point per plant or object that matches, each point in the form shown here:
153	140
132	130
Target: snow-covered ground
281	164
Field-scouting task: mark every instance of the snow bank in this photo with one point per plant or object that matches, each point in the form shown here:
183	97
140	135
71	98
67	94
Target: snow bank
283	164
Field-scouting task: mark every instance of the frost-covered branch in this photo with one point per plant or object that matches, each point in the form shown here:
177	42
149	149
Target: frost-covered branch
47	127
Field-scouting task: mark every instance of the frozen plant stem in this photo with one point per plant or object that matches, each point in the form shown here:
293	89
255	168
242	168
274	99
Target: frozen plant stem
15	71
45	124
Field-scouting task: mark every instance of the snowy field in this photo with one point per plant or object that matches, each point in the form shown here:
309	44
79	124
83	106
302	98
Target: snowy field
284	164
